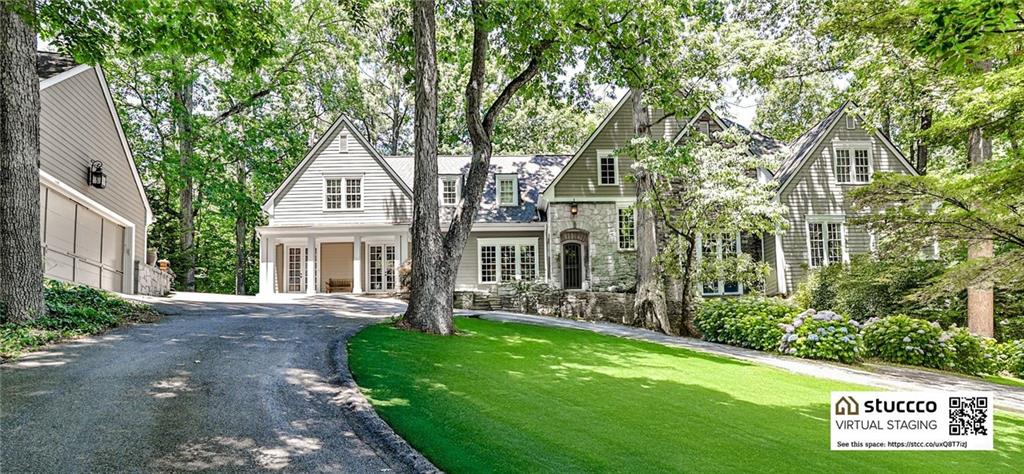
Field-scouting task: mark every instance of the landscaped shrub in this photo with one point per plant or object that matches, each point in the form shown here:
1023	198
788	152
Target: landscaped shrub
748	322
905	340
71	310
822	335
1011	355
971	354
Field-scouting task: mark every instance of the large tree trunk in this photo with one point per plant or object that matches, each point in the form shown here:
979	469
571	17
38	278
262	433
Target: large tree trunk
430	294
921	152
689	296
649	306
980	295
241	231
186	146
21	261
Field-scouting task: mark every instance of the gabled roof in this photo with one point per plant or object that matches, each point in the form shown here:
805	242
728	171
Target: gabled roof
534	172
314	151
54	68
758	145
803	147
590	139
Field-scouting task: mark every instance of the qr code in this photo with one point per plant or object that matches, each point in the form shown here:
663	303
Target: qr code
967	416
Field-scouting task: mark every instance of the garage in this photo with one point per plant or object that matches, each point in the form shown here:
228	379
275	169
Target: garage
80	244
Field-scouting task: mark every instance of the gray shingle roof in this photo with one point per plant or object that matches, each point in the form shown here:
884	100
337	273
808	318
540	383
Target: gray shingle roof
50	64
759	144
804	145
534	172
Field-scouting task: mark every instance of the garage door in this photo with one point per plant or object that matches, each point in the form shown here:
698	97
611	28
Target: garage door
79	245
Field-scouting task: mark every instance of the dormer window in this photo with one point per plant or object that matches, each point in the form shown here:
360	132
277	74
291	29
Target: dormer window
508	189
607	168
449	189
853	163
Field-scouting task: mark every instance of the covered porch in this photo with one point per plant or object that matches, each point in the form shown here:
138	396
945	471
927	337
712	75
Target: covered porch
312	260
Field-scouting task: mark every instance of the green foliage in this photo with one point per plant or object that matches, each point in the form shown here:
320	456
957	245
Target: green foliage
870	288
1012	357
72	310
905	340
747	322
971	354
823	335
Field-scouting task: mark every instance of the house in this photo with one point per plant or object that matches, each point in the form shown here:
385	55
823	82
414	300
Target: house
93	207
340	221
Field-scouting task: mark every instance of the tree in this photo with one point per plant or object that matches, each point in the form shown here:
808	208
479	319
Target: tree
21	260
704	188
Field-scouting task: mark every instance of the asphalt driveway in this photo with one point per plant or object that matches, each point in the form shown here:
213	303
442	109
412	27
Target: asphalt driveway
233	385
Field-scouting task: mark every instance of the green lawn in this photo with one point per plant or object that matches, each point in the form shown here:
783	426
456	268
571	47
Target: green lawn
513	397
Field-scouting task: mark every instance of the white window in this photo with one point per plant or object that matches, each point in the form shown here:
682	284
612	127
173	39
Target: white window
826	243
720	246
343	193
607	168
627	228
342	145
851	122
853	164
449	190
505	259
508	189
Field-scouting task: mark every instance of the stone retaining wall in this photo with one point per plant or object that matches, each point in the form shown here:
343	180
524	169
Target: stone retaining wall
581	305
150	280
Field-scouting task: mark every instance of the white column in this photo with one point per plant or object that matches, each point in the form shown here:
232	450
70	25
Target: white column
266	282
311	280
357	265
399	258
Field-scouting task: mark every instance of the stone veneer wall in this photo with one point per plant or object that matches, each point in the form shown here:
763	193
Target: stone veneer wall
150	280
606	267
583	305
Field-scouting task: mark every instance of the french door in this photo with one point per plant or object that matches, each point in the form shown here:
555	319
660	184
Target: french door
296	269
381	267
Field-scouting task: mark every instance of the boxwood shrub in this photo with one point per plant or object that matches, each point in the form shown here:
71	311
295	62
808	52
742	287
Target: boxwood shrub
822	335
905	340
747	322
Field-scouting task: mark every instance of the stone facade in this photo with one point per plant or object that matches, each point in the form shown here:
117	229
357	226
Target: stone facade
150	280
580	305
605	267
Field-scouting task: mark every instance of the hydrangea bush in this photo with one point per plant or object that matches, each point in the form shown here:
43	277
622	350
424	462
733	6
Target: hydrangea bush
746	322
1011	355
905	340
822	335
971	354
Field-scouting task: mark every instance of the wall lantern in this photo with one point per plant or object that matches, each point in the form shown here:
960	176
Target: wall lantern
574	209
96	177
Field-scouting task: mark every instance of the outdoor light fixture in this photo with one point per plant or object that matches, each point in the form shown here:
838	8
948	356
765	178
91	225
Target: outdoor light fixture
574	209
95	176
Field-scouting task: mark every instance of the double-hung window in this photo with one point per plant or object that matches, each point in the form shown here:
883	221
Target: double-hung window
853	164
343	193
825	242
502	260
607	168
720	246
627	228
449	190
508	189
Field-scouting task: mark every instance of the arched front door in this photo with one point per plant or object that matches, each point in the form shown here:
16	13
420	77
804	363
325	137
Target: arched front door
572	266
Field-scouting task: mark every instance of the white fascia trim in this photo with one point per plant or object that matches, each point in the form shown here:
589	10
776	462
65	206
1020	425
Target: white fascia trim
508	241
597	199
305	230
43	84
579	152
510	227
810	153
76	195
124	143
686	128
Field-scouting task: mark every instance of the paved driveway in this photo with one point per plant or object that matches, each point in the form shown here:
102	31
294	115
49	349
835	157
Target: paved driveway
233	385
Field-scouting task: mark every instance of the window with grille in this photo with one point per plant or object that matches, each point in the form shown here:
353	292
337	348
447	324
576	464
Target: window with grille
852	165
343	193
507	190
607	168
449	190
825	243
507	261
720	246
627	228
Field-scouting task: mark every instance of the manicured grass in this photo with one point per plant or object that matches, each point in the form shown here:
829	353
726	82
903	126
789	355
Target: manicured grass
1002	380
519	398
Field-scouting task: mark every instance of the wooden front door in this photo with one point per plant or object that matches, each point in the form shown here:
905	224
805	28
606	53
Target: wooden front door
572	266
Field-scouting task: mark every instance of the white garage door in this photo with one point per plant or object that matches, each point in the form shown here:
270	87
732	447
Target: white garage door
79	245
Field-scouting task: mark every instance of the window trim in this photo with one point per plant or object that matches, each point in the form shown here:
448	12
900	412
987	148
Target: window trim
718	248
344	193
615	163
514	178
826	219
853	147
440	189
499	242
342	143
618	228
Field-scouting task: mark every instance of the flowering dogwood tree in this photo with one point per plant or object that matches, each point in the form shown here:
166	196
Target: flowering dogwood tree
704	186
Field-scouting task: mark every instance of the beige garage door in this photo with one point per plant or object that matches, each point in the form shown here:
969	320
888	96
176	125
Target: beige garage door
79	244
